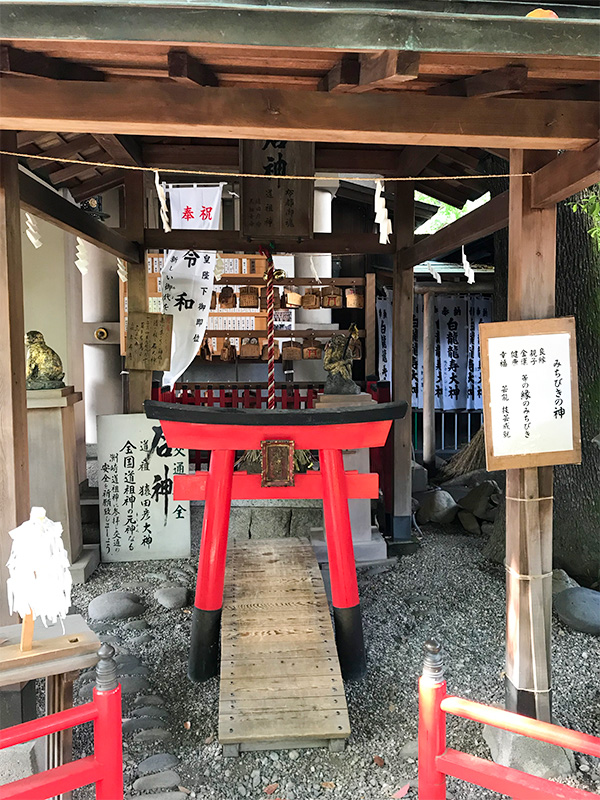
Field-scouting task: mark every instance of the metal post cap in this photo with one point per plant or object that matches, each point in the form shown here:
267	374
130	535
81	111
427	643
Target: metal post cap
433	663
106	669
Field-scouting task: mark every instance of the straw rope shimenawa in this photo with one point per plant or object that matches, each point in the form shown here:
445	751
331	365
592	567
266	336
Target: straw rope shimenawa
229	174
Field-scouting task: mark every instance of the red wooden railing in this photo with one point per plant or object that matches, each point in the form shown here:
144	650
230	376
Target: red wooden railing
436	761
240	395
104	768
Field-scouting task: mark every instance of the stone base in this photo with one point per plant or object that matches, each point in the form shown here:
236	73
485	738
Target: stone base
419	477
21	761
373	550
528	755
86	563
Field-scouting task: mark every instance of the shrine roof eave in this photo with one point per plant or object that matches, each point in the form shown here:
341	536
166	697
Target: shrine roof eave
480	27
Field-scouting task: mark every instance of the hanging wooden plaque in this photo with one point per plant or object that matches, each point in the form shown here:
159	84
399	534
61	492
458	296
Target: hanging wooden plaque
277	208
149	341
530	396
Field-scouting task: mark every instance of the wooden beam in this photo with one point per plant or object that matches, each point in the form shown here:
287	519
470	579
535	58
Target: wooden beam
482	221
121	149
14	459
387	70
67	173
139	380
413	160
188	69
495	83
402	329
157	109
46	204
531	295
67	150
566	175
105	181
231	242
29	63
343	77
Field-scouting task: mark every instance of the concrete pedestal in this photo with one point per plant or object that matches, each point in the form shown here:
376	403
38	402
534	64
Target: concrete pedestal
369	544
53	479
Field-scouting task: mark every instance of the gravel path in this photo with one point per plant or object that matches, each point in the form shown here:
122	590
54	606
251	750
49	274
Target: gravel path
446	590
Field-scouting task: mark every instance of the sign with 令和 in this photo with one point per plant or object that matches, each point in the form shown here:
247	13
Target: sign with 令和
530	396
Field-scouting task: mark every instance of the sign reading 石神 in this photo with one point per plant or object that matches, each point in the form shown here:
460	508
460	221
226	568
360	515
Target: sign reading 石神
139	519
276	207
529	377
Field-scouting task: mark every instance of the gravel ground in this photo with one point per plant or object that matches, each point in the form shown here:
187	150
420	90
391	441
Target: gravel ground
446	589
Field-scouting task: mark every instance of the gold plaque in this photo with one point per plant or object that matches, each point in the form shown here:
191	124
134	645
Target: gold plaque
277	463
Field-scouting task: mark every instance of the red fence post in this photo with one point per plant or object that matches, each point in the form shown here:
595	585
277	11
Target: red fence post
108	736
432	724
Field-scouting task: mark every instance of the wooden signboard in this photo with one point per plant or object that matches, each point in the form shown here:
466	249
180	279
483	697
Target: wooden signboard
530	395
276	208
149	341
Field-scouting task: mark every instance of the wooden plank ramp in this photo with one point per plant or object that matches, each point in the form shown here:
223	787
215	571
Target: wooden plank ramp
281	685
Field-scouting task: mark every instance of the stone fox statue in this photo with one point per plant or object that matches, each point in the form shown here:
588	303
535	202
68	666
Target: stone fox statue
44	369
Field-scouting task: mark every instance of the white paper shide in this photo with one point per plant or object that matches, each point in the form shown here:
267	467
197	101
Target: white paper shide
530	394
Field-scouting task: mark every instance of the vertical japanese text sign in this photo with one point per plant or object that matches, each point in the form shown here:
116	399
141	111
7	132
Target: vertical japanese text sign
530	397
139	520
276	207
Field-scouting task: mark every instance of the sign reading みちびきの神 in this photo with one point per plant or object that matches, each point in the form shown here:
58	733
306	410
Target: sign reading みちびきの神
531	408
139	519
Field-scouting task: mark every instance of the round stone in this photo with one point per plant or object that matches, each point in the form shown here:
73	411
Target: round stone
115	605
172	596
157	763
579	608
160	780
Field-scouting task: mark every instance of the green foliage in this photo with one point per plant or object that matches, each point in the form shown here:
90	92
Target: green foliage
591	206
446	213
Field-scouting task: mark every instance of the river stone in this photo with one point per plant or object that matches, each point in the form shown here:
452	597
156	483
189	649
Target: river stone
579	608
115	605
139	669
150	711
152	735
136	625
562	581
172	596
167	796
148	700
477	500
437	506
469	521
157	763
132	684
145	638
160	780
142	723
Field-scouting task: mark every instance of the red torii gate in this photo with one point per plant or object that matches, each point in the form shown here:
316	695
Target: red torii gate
223	431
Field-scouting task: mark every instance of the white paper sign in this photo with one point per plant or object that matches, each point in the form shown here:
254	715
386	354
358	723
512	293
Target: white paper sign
530	394
195	207
139	520
188	279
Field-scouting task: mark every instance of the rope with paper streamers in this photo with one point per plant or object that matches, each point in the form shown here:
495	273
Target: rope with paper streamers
233	174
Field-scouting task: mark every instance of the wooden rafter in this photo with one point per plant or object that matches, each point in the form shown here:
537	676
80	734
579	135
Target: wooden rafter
121	149
443	191
387	70
47	204
567	174
67	173
413	160
188	69
343	77
107	180
482	221
150	108
496	82
21	62
67	150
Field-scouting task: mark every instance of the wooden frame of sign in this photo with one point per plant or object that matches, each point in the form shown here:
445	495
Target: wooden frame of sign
149	341
277	208
530	393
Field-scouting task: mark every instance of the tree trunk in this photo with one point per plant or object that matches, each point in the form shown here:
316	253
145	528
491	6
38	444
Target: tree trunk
576	487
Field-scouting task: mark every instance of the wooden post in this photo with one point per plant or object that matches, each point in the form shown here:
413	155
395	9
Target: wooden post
370	325
14	458
140	381
428	383
531	293
404	224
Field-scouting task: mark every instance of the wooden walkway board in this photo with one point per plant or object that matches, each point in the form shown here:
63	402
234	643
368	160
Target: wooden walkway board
281	684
